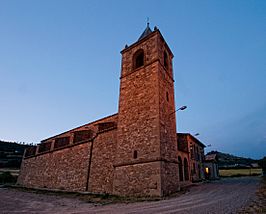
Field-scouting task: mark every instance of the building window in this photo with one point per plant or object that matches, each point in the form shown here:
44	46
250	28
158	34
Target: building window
167	96
83	135
138	59
135	154
165	60
45	147
61	142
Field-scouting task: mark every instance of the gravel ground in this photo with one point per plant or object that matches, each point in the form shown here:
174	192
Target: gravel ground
223	196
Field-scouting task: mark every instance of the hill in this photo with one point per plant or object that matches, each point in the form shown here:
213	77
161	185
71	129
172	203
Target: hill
11	154
230	161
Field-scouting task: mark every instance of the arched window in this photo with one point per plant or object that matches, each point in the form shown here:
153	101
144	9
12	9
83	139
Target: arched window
186	169
180	169
138	59
165	60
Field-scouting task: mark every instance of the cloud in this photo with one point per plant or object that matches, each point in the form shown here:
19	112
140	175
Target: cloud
245	136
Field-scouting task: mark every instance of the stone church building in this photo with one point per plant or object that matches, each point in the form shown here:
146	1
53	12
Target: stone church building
134	152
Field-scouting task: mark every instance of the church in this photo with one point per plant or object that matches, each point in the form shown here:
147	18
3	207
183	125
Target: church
136	152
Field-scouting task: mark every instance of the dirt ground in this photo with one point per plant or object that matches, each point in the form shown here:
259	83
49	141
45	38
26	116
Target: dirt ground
258	204
230	195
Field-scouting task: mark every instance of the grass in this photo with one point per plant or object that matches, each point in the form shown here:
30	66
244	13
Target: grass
239	172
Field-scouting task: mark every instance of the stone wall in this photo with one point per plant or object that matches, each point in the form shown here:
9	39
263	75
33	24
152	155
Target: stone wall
67	167
63	169
167	116
146	125
170	178
143	179
102	170
168	139
138	117
138	144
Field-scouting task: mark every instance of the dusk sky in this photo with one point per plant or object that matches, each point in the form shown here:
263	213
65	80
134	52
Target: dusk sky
60	66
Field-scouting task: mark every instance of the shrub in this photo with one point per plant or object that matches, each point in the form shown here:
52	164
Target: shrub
7	178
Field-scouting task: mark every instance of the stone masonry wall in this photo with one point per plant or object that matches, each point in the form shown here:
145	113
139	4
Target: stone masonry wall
138	180
170	178
63	169
102	170
146	124
67	167
138	144
168	139
138	117
167	107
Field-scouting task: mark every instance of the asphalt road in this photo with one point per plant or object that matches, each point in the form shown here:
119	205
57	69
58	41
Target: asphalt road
223	196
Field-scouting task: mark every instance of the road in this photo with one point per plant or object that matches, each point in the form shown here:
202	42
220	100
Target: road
223	196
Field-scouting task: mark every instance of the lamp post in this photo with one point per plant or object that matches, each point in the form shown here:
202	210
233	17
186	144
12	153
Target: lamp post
182	108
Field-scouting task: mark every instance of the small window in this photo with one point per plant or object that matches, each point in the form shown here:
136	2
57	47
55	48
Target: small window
167	96
138	59
45	147
165	60
61	142
135	154
83	135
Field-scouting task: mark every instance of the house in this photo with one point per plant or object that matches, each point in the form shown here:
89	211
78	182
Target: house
190	157
211	167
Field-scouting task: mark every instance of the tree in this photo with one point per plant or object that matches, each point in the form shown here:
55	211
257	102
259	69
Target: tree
262	163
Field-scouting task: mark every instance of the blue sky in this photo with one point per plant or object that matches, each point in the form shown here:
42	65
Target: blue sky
60	65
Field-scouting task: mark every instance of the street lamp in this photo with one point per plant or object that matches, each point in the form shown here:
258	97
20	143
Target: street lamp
182	108
197	134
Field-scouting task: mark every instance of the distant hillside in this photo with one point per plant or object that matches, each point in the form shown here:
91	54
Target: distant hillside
231	161
11	154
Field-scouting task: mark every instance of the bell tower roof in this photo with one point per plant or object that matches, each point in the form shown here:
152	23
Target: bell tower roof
146	32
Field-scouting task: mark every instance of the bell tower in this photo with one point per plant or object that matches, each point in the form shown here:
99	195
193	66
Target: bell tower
146	156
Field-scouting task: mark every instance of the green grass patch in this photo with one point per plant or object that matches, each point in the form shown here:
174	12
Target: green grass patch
239	172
